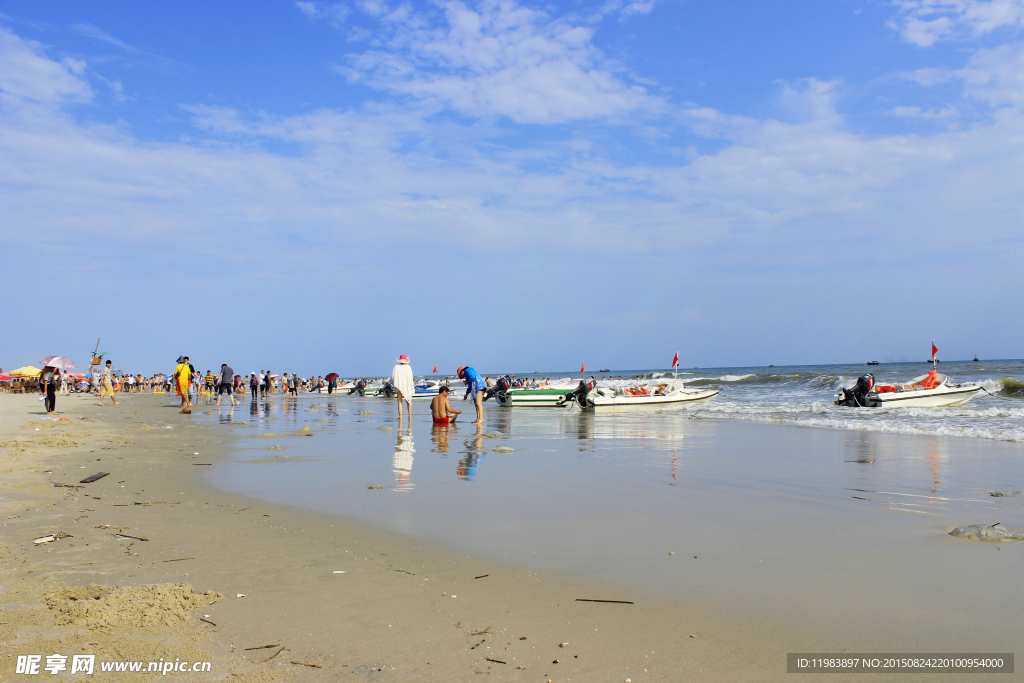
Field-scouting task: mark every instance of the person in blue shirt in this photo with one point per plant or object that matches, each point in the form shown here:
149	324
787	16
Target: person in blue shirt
475	387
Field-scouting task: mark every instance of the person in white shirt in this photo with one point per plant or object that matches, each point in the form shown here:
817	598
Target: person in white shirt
401	376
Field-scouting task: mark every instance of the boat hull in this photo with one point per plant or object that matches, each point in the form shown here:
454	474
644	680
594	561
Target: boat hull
926	398
533	398
603	404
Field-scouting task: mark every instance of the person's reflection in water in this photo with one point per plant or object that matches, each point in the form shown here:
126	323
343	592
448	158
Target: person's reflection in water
466	468
439	435
401	462
254	408
225	417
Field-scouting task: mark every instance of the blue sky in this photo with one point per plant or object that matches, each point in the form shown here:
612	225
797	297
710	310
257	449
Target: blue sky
316	186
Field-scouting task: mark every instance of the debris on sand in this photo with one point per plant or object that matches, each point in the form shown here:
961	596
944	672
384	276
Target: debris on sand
987	532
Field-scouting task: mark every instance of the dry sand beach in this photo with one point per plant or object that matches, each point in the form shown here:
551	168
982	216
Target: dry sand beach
219	576
400	611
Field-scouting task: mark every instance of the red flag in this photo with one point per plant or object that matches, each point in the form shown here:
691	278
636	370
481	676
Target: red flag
435	369
675	359
935	350
582	369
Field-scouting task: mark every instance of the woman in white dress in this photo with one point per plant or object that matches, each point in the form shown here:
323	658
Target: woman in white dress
401	376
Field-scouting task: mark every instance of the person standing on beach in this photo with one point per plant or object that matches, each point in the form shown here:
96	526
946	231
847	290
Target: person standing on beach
226	384
48	379
254	386
107	380
401	377
182	379
475	387
267	380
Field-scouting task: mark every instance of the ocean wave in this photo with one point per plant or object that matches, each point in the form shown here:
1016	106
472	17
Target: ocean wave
723	378
1008	386
821	416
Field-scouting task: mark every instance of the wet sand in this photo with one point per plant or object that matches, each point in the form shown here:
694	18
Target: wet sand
404	608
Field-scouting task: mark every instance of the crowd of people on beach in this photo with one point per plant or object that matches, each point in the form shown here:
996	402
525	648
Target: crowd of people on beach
192	386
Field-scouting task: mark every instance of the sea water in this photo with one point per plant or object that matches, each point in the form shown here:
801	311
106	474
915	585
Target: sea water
831	518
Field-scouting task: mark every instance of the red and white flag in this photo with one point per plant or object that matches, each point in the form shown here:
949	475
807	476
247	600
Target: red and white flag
675	360
435	369
935	350
582	368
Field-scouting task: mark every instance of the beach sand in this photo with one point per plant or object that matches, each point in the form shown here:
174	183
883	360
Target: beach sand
351	600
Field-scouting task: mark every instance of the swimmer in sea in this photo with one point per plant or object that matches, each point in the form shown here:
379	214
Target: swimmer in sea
441	409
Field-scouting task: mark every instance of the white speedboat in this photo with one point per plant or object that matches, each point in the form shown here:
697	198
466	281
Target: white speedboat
427	388
656	393
543	395
933	390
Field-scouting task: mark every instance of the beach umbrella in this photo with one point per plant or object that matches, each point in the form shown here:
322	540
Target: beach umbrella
4	377
27	371
59	362
331	377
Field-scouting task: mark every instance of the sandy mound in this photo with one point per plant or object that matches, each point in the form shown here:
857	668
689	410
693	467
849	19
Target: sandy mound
98	607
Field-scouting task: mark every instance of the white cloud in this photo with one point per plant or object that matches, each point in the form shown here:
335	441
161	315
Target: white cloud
927	77
384	174
948	112
334	13
27	74
500	58
923	22
996	76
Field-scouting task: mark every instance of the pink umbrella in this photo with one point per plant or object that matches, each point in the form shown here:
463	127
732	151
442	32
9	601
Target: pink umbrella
59	362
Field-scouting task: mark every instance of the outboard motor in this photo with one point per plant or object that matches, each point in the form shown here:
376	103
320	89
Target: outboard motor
389	389
360	387
855	396
579	394
500	388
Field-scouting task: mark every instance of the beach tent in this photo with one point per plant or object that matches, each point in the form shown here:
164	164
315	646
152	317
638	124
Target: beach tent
27	371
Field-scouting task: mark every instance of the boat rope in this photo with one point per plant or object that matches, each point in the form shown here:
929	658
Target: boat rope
1001	398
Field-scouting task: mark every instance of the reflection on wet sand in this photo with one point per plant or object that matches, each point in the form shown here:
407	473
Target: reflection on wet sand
439	435
401	462
466	469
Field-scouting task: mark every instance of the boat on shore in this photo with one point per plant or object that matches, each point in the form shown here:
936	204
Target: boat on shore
427	388
545	395
933	390
656	393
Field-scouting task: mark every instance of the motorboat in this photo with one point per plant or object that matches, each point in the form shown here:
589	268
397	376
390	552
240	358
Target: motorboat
427	388
873	362
933	390
656	393
541	395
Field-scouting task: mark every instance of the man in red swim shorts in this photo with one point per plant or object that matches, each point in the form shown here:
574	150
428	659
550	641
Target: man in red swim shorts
441	409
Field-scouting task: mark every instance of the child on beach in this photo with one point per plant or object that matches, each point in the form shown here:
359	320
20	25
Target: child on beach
441	409
107	380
